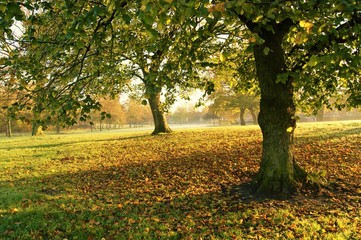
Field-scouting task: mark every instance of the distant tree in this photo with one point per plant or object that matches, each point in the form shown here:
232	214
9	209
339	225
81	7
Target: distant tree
5	100
137	114
235	90
210	114
234	102
9	96
186	114
180	115
110	112
116	111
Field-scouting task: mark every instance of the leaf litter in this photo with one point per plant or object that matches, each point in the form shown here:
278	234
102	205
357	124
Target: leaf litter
178	186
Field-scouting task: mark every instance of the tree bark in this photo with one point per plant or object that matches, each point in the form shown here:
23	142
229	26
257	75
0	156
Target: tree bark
100	125
160	121
279	174
241	116
57	127
254	116
320	114
8	127
36	130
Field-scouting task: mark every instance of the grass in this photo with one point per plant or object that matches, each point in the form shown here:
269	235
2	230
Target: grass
135	186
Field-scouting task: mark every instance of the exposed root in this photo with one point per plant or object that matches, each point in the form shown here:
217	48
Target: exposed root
163	131
282	187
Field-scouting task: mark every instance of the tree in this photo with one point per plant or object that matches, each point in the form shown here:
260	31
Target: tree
229	96
82	49
292	43
111	112
148	62
234	79
186	114
6	97
63	59
209	114
137	114
156	42
282	59
237	103
115	109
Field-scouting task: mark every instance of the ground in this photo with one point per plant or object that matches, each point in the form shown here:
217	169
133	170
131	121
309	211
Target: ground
117	185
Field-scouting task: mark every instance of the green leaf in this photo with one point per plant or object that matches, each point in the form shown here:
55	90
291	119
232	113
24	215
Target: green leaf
314	60
80	43
148	20
240	3
127	19
266	51
152	33
282	78
271	14
248	8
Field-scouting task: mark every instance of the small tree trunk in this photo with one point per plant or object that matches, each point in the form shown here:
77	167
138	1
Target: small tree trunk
254	116
241	116
279	174
8	127
36	130
57	127
160	121
320	114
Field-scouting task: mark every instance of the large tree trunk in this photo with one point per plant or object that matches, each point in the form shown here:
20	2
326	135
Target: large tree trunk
160	121
279	174
241	116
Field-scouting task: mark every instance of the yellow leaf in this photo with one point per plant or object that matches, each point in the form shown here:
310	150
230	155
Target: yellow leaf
155	219
252	39
222	57
14	210
290	129
306	25
160	27
219	7
300	38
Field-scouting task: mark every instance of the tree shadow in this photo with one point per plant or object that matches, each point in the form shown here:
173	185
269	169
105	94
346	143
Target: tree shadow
178	195
80	141
329	135
136	201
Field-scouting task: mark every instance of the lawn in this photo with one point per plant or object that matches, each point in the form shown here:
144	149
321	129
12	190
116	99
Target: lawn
116	185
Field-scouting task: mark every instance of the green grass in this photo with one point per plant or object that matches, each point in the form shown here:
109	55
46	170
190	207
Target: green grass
134	186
